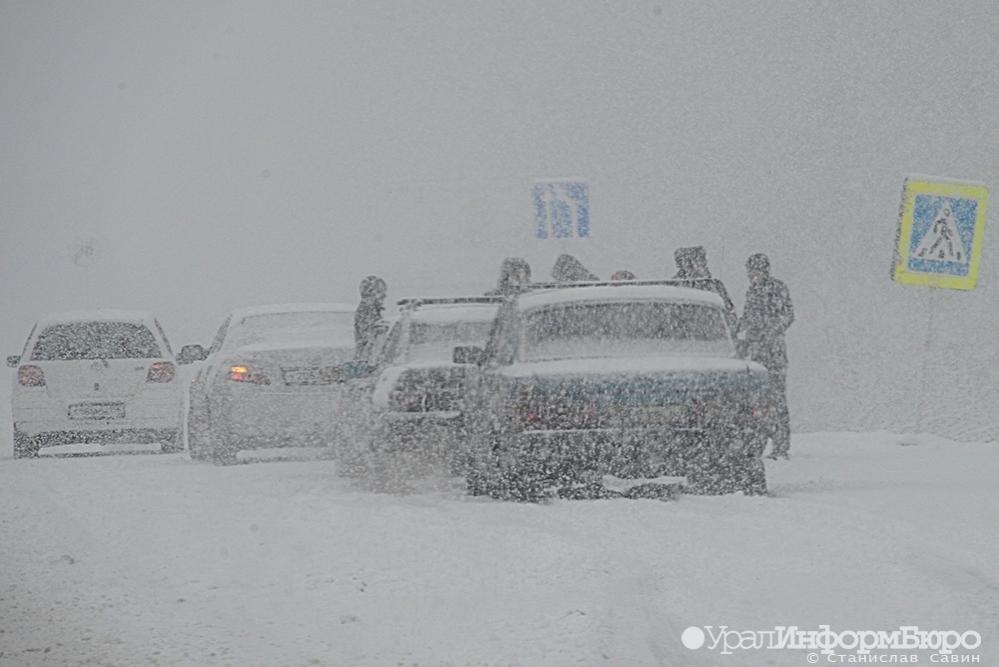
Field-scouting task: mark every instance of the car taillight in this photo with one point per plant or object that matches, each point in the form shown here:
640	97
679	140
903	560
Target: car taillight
161	371
527	407
530	416
30	376
244	373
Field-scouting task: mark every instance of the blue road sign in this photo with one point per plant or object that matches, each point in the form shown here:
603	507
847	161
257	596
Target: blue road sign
561	209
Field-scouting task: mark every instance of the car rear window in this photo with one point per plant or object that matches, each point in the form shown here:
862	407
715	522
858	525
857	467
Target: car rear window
321	324
599	329
95	340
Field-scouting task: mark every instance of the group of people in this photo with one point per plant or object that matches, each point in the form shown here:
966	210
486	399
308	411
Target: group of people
766	315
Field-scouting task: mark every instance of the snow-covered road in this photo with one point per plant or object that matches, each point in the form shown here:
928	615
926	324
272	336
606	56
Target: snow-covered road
127	560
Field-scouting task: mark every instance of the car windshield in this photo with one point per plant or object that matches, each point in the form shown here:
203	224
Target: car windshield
576	330
95	340
437	340
310	325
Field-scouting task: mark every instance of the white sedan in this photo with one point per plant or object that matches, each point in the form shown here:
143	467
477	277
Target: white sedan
95	377
271	378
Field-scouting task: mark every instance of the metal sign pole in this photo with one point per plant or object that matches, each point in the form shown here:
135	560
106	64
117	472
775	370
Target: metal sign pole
917	436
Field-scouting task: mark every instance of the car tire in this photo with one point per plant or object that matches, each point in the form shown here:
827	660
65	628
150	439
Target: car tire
730	474
476	481
196	437
173	441
222	448
480	464
754	478
520	481
25	447
352	460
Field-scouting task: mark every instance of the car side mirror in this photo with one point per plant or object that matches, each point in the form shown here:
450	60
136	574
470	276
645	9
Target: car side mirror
356	370
468	354
13	360
191	353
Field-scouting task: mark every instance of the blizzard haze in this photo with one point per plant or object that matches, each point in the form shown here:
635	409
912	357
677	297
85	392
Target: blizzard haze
191	157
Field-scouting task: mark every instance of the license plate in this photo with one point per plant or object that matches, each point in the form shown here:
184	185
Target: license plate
100	411
307	376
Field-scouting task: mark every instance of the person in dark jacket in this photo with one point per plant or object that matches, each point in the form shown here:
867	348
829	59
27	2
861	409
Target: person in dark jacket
692	270
684	266
765	318
568	269
368	316
515	276
691	263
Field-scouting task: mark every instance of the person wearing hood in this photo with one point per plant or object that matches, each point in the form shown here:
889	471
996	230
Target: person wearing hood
691	263
692	269
368	316
515	276
568	269
767	315
684	266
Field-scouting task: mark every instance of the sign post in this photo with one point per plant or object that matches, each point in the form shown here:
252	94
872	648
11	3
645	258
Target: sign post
938	245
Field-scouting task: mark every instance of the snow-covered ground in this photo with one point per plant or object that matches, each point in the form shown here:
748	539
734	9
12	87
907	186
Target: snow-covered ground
124	560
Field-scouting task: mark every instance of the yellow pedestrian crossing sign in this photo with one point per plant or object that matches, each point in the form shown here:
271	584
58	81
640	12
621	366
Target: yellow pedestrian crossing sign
940	233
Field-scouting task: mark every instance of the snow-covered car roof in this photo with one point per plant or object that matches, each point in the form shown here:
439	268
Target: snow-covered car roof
286	308
622	292
102	315
456	312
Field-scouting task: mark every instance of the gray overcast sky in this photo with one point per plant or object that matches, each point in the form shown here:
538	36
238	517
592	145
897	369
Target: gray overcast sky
192	157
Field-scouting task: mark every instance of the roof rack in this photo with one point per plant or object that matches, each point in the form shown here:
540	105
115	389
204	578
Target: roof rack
416	302
670	282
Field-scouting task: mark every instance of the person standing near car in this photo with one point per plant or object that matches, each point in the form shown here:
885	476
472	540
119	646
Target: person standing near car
767	315
568	269
515	276
368	315
692	269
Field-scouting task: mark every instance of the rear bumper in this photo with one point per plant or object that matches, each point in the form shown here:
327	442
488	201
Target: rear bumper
46	417
102	436
436	427
645	452
275	419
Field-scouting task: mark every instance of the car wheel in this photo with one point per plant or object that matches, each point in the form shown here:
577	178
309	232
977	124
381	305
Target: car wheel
519	480
173	441
754	478
25	447
476	481
353	460
196	438
222	448
480	464
728	474
522	483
